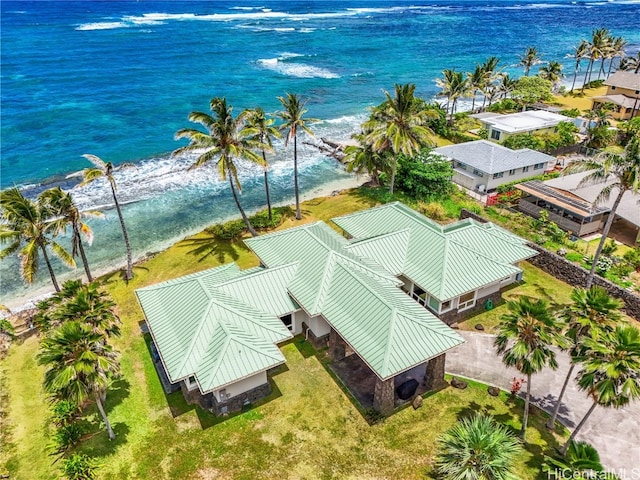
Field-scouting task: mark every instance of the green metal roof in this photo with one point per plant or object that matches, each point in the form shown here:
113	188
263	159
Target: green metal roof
359	298
203	331
446	261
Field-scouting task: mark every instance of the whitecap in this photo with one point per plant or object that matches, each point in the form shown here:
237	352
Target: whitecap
298	70
102	26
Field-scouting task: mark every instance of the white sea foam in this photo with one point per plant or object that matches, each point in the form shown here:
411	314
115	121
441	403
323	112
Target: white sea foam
102	26
292	69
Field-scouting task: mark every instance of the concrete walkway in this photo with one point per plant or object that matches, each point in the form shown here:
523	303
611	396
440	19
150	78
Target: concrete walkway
614	433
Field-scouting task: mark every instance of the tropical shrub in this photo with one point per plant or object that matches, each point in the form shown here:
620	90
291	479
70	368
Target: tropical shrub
483	133
79	467
633	258
66	437
504	105
573	113
530	90
610	247
6	327
433	210
232	230
260	220
524	140
64	413
425	176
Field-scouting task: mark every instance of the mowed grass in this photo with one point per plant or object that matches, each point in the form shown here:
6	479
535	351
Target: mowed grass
308	428
581	102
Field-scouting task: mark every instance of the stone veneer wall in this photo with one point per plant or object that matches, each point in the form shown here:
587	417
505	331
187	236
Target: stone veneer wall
434	376
318	342
573	274
235	404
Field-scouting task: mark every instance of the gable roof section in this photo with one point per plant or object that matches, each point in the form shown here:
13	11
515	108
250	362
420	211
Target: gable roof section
491	157
624	79
208	333
444	261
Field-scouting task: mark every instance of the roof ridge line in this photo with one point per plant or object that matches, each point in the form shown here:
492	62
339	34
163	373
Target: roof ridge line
197	332
236	338
356	242
262	272
375	294
450	333
317	307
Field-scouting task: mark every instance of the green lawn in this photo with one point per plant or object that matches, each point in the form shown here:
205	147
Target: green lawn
308	428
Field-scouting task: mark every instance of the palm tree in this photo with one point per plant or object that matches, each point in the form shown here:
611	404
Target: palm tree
552	71
398	125
226	139
293	119
491	75
624	170
475	81
263	129
525	336
362	158
506	84
80	365
580	457
102	169
477	448
27	223
530	58
77	302
580	52
631	64
591	313
61	206
617	50
597	48
611	371
453	86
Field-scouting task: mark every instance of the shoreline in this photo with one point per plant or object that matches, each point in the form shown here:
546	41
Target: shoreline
28	301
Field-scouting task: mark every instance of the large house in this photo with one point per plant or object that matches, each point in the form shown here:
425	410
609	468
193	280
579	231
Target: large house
570	204
483	165
623	91
499	127
375	297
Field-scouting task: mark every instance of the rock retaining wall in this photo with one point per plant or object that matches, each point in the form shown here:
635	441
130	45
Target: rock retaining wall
573	274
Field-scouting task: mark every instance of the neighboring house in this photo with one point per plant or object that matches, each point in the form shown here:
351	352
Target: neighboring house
217	331
483	165
624	93
571	206
500	127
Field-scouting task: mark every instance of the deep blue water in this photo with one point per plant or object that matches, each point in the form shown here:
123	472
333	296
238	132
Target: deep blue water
118	79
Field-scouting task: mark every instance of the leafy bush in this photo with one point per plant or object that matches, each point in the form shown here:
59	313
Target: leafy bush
483	133
573	113
433	210
228	231
609	248
595	84
6	327
633	258
79	467
524	140
504	105
65	438
574	256
260	220
64	413
621	269
425	176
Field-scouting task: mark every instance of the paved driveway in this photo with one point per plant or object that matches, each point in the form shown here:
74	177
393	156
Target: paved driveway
614	433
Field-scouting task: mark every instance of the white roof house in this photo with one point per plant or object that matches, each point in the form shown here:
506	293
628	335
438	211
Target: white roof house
523	122
484	165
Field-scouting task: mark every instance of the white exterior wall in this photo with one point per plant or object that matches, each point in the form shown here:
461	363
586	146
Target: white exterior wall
489	289
319	326
297	318
243	385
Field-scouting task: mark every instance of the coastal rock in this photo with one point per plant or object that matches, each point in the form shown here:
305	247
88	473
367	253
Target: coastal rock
457	383
479	327
417	402
493	391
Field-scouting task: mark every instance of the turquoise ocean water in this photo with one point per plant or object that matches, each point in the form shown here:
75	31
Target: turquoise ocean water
118	79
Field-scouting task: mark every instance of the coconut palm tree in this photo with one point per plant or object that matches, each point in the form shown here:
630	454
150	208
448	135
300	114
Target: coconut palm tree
525	336
631	64
506	84
597	48
453	85
79	365
618	45
293	119
475	81
61	206
263	129
610	371
102	169
552	71
591	313
225	140
363	158
399	125
27	224
477	448
619	172
491	75
530	58
580	52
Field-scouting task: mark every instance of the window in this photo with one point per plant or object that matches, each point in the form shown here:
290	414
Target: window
288	321
525	169
498	175
433	304
462	166
478	172
495	134
191	382
512	172
467	300
419	295
538	166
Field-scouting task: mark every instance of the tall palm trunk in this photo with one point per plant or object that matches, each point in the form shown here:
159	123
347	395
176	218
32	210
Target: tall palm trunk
266	184
587	75
112	435
78	239
46	260
237	200
551	424
525	417
394	166
575	76
563	450
295	176
129	273
605	232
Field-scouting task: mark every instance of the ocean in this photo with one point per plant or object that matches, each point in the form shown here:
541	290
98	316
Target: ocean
117	79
